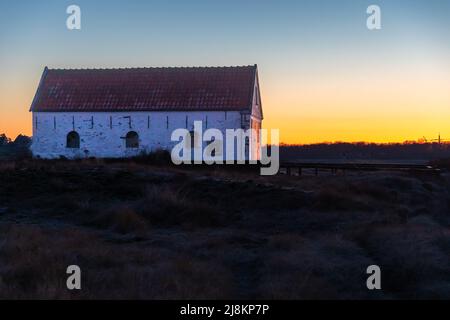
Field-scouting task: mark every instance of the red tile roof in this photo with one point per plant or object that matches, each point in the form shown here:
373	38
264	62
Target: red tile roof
146	89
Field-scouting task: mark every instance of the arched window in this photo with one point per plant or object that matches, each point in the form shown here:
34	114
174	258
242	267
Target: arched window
73	140
132	140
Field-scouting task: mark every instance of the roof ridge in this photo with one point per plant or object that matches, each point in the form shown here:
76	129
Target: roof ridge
148	68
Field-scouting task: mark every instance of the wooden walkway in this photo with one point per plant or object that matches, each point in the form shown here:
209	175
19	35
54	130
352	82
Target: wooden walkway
291	168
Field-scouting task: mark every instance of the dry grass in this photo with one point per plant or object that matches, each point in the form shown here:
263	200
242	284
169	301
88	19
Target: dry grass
37	262
317	268
122	219
139	231
414	255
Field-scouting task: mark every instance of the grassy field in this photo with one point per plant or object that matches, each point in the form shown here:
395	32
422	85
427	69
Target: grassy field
153	232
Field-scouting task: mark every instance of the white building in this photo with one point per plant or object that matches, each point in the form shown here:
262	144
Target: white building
124	112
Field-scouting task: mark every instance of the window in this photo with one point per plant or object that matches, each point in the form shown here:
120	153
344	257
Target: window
217	150
73	140
192	138
191	142
213	152
132	140
247	148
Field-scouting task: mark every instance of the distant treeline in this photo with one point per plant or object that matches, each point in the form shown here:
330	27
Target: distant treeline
366	151
18	148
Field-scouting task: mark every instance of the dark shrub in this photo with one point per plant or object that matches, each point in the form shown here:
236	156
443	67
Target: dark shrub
157	157
122	219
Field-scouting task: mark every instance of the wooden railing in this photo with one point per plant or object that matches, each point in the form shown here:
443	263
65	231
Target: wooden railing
290	168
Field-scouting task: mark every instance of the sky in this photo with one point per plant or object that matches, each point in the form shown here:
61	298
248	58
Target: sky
324	75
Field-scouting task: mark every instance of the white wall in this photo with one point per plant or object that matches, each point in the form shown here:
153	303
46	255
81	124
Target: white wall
101	140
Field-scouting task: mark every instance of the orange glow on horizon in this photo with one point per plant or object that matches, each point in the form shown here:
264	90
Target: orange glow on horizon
380	107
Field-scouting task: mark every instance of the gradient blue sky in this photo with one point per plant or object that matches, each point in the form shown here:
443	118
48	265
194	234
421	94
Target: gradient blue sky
324	76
